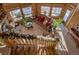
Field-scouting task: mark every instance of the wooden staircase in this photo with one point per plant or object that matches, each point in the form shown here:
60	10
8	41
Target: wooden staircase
31	47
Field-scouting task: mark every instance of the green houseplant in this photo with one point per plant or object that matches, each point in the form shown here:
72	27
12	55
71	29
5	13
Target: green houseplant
57	22
24	21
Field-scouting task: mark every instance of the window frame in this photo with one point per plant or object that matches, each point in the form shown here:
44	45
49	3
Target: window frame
54	11
43	9
67	15
12	13
30	13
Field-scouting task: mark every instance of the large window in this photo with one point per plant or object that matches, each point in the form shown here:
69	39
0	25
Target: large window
27	11
16	14
45	10
56	11
67	14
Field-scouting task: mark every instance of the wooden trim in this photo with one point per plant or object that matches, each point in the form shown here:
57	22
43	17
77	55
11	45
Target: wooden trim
23	16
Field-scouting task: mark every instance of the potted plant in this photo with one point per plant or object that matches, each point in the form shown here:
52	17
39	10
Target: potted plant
24	21
56	23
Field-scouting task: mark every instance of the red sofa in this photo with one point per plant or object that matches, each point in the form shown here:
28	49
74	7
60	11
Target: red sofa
40	19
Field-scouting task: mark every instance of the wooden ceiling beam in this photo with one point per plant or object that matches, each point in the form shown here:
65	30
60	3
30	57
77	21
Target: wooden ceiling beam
72	15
